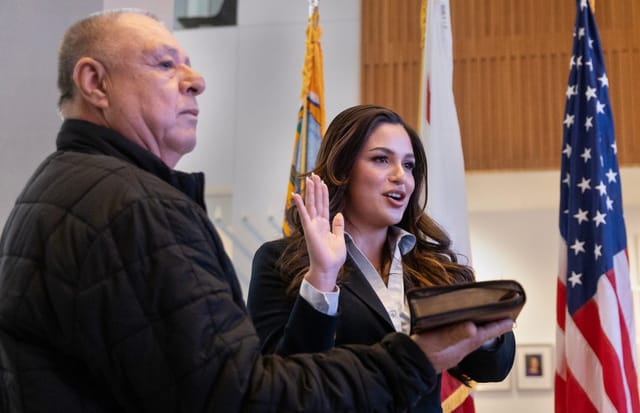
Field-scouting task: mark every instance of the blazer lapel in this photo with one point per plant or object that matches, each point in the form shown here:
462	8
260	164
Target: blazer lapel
358	285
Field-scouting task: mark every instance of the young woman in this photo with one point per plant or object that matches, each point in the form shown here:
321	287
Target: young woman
345	283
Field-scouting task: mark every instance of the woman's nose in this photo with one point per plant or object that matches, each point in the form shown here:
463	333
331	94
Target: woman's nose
398	173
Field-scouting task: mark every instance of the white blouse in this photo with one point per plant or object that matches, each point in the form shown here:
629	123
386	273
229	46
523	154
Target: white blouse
391	295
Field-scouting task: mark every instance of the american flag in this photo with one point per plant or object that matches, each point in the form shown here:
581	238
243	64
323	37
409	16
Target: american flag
595	343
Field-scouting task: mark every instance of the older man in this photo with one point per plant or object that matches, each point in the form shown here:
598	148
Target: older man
115	292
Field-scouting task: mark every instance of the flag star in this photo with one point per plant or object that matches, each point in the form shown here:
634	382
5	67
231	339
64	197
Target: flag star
571	91
578	247
600	107
587	123
615	148
581	216
572	62
590	64
609	204
597	251
602	188
581	33
575	279
611	176
583	4
566	179
567	150
586	155
569	120
604	80
584	184
579	61
590	93
590	43
599	218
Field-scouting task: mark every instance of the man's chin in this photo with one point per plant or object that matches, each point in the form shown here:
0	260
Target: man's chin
185	144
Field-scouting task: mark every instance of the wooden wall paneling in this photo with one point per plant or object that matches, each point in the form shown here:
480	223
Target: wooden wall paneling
624	102
620	41
550	115
511	66
463	108
390	48
557	78
518	51
505	83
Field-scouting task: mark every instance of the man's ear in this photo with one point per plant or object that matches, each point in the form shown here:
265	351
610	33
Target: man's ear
89	77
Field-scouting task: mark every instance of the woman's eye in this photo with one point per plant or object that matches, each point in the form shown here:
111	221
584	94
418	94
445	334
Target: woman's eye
410	165
381	159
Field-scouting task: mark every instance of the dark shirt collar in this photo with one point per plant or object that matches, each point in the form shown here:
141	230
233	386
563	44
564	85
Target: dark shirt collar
81	136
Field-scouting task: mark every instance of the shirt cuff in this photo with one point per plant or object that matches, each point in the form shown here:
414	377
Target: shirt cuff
326	303
491	344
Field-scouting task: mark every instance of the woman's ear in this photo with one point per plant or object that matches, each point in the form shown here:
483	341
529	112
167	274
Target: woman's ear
89	78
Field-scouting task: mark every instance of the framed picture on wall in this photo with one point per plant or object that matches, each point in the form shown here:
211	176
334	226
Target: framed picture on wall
504	385
534	366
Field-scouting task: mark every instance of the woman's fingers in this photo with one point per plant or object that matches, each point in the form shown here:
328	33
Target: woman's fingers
310	196
338	225
314	207
324	208
299	203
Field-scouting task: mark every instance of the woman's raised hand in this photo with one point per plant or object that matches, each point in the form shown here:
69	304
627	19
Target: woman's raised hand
325	241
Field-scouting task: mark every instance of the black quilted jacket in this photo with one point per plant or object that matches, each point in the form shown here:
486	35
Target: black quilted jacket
116	296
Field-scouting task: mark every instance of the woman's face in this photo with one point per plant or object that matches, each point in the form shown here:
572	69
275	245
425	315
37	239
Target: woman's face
381	182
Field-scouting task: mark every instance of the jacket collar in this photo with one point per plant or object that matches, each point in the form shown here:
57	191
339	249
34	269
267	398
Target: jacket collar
360	288
81	136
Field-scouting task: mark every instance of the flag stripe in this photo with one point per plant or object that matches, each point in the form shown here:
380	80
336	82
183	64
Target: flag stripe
588	320
577	400
584	368
625	314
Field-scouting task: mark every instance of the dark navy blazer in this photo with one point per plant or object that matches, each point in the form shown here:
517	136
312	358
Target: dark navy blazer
288	324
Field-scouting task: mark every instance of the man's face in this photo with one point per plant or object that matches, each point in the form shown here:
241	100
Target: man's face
152	89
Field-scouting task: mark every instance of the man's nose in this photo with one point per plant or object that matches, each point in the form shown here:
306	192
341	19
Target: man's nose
193	83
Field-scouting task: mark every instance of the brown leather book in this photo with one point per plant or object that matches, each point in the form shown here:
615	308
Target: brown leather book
480	302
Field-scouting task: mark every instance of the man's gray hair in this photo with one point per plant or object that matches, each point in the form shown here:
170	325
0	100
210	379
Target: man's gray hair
87	38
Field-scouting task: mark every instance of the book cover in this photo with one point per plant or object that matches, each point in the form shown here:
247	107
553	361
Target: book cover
480	302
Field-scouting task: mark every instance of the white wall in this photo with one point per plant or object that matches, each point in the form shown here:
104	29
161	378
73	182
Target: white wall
30	31
513	222
245	138
249	110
